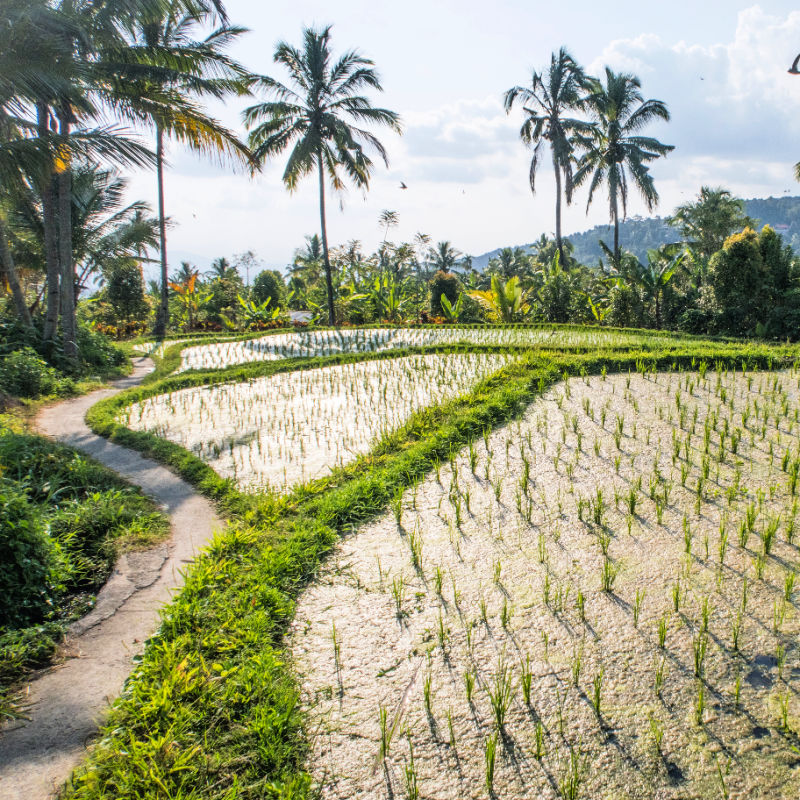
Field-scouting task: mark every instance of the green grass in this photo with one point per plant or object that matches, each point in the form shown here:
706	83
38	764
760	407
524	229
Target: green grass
64	519
212	710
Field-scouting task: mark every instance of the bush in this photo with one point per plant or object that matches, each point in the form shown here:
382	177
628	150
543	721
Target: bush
27	560
269	283
25	374
447	284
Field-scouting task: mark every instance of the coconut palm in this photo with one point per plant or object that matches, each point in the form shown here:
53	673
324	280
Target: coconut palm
614	151
547	102
319	117
443	257
170	71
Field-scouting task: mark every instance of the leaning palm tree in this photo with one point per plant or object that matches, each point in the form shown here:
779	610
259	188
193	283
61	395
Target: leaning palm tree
546	102
318	116
614	150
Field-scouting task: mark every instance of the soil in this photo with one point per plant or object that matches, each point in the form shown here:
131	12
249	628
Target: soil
492	593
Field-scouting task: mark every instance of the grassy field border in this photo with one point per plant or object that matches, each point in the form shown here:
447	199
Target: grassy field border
212	709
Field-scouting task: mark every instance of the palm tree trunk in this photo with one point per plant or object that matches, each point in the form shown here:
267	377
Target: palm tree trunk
50	236
10	274
162	315
615	215
658	309
328	278
69	325
559	242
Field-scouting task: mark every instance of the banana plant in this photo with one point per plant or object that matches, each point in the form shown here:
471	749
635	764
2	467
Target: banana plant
193	298
506	302
388	296
256	315
450	310
599	308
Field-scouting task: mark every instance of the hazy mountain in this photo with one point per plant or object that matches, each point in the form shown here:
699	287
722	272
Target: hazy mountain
639	234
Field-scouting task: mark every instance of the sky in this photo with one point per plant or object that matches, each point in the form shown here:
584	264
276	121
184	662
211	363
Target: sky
719	65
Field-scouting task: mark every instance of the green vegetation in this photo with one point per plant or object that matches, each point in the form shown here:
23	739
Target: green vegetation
64	519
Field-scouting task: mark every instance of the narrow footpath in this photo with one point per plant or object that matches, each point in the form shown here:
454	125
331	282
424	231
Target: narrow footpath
65	705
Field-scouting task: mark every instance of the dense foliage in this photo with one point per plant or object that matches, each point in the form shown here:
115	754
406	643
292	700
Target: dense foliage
63	521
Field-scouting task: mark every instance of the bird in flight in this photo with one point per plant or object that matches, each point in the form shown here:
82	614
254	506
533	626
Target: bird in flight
795	68
402	185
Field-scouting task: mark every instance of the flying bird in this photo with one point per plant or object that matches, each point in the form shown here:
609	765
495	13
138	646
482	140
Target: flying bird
795	68
402	185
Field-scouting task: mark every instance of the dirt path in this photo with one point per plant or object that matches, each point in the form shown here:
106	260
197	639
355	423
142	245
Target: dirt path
66	704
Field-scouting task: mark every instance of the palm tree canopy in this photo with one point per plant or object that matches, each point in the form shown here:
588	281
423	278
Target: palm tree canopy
552	93
320	114
615	150
444	256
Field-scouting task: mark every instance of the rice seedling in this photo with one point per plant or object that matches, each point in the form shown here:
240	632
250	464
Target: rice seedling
469	683
500	691
788	584
658	682
637	606
427	693
736	630
526	677
571	779
490	752
538	740
410	780
398	593
656	733
576	663
608	575
415	543
699	703
580	604
337	648
662	631
597	689
699	647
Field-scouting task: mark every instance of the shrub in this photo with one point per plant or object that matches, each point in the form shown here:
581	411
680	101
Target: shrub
269	283
25	374
27	559
447	284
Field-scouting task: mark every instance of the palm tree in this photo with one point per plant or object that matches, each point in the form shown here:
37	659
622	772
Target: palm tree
317	117
83	39
614	150
443	257
177	70
551	95
654	276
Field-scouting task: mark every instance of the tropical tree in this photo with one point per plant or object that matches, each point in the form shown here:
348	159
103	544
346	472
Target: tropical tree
615	153
192	295
547	103
320	116
443	257
505	301
174	69
708	221
653	277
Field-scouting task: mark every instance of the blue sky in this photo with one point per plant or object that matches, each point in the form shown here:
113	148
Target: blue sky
720	65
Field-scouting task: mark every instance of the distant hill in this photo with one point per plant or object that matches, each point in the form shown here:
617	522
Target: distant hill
640	234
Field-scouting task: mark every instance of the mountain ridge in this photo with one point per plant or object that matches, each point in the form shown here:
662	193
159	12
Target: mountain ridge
639	234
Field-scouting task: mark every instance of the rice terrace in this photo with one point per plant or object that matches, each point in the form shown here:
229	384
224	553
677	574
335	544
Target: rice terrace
367	515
